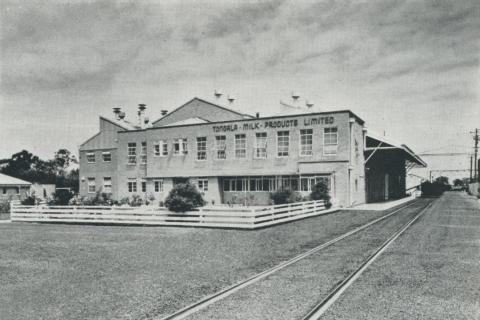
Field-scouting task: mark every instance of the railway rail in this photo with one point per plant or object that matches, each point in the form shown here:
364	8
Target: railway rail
319	308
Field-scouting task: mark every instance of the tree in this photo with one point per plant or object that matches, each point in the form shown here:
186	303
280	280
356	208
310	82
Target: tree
442	180
458	182
184	197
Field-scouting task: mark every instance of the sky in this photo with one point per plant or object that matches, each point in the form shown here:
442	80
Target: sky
410	69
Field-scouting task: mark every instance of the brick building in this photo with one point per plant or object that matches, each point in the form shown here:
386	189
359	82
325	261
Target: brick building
238	158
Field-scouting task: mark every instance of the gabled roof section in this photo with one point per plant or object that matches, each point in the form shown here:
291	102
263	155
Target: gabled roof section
201	108
124	124
377	143
106	138
11	181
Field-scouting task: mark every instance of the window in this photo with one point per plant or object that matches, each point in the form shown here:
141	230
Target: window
202	185
160	149
144	186
91	157
91	185
158	185
330	140
143	154
132	153
220	147
201	148
180	146
107	184
240	146
17	189
283	143
260	145
306	142
132	185
4	191
106	156
307	182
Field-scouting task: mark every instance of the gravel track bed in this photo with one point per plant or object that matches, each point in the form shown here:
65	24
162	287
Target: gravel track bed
291	292
431	272
111	272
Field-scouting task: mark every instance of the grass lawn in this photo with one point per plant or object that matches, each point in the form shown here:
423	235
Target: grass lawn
54	271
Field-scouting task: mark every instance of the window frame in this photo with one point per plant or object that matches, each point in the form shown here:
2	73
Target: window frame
218	147
133	183
158	185
301	151
107	185
330	146
89	185
278	143
256	146
237	149
201	141
107	153
89	154
132	153
204	183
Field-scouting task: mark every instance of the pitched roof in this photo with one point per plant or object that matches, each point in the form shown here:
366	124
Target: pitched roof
194	120
245	115
11	181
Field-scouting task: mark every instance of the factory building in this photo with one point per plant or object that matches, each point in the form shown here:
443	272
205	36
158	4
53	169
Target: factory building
238	158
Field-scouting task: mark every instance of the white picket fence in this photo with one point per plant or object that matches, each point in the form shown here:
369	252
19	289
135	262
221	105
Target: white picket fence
222	217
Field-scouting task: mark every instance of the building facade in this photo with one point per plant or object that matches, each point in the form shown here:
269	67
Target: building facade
236	158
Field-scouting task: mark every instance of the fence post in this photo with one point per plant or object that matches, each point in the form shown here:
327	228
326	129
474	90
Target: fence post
201	215
253	217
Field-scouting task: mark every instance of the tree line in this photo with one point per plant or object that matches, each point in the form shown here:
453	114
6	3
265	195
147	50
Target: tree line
29	167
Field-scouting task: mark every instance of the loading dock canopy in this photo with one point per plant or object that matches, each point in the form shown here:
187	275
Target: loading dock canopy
374	144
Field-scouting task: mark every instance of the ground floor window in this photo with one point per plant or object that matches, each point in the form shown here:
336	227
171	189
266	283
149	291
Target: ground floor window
107	184
158	185
144	186
202	184
274	183
91	185
132	185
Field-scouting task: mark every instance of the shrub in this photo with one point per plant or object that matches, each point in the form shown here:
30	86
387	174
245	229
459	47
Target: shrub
184	197
29	201
320	191
4	206
61	197
285	196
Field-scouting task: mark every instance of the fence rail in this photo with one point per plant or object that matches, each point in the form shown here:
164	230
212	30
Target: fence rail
245	218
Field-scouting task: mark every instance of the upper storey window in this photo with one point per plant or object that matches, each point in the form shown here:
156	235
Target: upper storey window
283	143
143	154
260	150
132	153
201	148
240	146
180	146
106	156
330	141
91	157
221	147
306	142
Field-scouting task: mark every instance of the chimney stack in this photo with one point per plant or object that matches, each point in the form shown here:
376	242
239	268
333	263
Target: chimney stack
164	112
257	114
218	94
231	99
116	112
141	114
121	115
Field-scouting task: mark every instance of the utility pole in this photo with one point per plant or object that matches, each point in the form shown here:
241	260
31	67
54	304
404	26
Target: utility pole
476	176
471	168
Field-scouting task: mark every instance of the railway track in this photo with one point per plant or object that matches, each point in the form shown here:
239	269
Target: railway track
331	297
319	309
